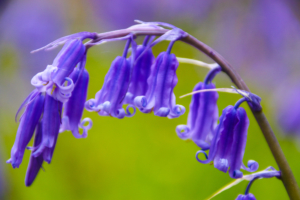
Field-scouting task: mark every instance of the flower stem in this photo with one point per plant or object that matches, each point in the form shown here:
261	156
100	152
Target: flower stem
287	176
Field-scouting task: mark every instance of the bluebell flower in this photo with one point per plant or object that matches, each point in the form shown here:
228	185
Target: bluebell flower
161	82
203	115
141	71
246	197
229	142
109	100
28	122
35	163
50	128
52	79
43	107
73	108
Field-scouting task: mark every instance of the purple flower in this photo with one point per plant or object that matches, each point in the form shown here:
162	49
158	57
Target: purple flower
109	99
45	104
73	108
161	82
52	79
35	163
246	197
28	122
203	114
50	128
140	73
228	145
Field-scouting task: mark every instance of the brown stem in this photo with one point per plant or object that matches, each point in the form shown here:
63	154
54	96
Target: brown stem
287	176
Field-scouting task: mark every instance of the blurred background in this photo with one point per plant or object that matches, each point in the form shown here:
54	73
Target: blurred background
142	157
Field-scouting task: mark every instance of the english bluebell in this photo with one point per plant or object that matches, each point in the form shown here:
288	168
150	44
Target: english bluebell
109	100
203	114
28	122
74	107
161	82
229	142
141	71
44	106
35	162
246	197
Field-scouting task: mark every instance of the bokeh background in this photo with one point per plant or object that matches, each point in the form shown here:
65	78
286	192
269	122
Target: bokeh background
142	157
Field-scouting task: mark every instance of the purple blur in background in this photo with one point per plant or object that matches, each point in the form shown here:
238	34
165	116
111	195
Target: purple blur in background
29	25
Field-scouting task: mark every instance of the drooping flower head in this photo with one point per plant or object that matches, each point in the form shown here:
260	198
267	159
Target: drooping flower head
246	197
141	71
162	79
35	163
73	108
203	114
229	142
109	100
28	122
44	105
52	79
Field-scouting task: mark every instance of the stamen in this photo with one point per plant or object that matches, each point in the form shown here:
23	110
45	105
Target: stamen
197	63
53	88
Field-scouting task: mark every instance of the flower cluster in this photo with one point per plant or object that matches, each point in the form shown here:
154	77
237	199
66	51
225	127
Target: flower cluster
59	98
225	141
55	105
139	81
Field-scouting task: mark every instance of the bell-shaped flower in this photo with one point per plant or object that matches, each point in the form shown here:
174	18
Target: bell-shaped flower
50	128
246	197
228	145
55	75
161	82
203	115
109	99
35	163
73	108
141	71
28	122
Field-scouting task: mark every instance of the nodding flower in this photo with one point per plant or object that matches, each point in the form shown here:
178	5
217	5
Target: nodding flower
203	115
141	71
28	123
74	107
109	100
52	79
161	82
44	105
229	142
246	197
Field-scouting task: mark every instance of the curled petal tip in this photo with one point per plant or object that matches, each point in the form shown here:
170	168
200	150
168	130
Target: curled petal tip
183	132
128	113
197	156
253	165
140	101
237	174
